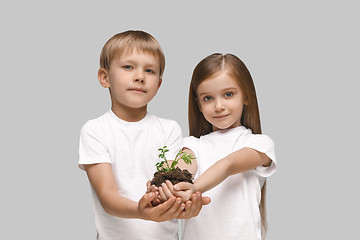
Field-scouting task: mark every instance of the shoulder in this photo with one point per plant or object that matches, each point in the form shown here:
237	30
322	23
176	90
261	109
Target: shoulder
259	139
191	142
95	125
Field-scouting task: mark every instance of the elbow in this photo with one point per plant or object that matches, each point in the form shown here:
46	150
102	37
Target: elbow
107	209
107	206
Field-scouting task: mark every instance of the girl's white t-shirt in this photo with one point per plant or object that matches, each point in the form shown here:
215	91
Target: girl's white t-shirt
234	209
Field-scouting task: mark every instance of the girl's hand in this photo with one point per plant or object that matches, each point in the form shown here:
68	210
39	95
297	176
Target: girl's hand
182	189
164	192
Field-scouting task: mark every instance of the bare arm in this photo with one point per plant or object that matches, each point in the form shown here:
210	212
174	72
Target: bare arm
102	179
240	161
192	168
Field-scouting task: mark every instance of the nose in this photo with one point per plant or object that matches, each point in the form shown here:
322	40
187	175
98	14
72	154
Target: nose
219	105
139	77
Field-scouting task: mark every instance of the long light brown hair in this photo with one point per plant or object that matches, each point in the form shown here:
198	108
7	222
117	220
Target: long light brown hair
250	117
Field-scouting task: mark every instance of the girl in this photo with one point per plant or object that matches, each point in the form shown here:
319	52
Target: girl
224	124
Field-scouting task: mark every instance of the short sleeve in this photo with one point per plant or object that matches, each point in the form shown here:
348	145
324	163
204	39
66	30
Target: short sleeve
92	147
191	143
264	144
174	139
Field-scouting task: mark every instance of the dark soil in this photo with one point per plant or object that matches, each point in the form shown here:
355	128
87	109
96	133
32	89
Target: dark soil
175	176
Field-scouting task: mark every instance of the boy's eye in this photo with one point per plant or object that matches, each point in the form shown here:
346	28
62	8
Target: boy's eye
150	71
127	67
228	94
207	98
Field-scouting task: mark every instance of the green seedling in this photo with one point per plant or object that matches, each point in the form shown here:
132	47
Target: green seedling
163	165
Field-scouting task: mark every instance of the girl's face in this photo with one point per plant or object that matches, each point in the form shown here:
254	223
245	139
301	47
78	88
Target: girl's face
221	101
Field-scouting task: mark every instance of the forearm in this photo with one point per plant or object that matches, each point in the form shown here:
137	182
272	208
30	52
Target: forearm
119	206
240	161
212	177
102	180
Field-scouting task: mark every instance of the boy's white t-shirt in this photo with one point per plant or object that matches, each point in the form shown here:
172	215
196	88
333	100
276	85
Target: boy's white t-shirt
132	150
234	209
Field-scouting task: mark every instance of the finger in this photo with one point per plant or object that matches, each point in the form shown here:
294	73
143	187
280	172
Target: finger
197	204
180	210
165	206
182	186
205	200
173	211
166	191
186	213
193	207
154	188
145	200
155	201
170	185
162	196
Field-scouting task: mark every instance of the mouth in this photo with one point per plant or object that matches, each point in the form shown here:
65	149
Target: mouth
221	116
139	90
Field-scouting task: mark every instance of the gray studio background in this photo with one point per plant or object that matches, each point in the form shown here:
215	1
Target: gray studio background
304	59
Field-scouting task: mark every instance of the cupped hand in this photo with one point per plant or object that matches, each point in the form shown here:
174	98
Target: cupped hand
168	210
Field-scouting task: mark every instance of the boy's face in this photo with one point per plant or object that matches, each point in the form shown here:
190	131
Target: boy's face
133	79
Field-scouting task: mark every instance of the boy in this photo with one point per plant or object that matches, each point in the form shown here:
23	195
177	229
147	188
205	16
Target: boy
118	150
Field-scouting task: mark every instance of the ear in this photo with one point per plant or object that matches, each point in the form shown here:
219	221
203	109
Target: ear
246	102
103	78
160	81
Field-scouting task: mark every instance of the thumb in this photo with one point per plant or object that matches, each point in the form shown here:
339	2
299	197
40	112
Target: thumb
146	200
206	200
181	186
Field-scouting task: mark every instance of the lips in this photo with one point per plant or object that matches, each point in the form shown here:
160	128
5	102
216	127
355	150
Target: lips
140	90
221	116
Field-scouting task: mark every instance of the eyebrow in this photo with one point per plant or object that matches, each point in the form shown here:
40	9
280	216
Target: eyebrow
130	61
223	90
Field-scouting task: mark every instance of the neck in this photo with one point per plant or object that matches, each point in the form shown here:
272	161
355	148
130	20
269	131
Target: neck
129	114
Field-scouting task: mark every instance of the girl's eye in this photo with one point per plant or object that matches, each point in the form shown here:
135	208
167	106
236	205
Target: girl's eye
207	98
228	94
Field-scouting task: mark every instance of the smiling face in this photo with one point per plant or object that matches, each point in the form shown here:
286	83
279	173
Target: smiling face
221	101
133	79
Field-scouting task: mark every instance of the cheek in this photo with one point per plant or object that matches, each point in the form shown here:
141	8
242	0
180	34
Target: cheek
206	109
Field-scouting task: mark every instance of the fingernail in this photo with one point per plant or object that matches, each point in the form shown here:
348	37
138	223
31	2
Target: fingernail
194	198
150	195
176	187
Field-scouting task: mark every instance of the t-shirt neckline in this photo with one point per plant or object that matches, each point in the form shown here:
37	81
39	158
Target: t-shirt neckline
123	122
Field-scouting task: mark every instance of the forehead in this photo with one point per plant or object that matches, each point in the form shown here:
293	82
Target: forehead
217	83
139	55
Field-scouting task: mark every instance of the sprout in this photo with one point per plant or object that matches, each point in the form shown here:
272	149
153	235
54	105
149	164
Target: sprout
163	165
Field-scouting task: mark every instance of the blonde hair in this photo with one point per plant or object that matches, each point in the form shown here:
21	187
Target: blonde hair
129	41
250	117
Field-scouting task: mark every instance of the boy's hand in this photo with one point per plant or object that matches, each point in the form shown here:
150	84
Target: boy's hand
152	188
168	210
194	206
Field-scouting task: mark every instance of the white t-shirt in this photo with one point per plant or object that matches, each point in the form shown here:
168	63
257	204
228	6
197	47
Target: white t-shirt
132	150
234	209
